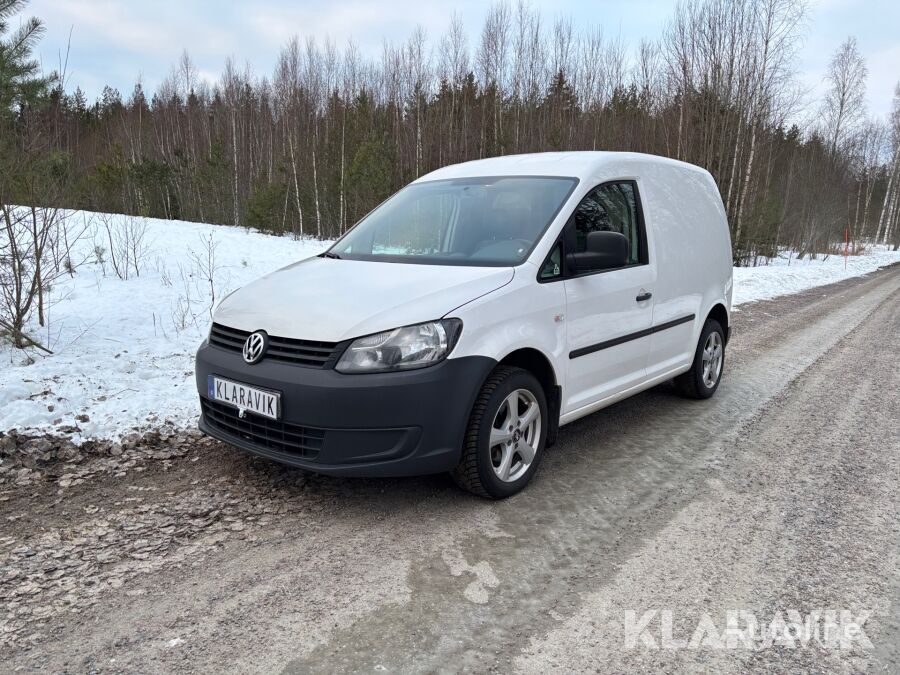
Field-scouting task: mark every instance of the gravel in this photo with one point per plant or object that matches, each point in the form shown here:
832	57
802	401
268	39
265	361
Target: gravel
170	552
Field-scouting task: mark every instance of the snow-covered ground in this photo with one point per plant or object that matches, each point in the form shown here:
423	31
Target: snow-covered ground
123	350
785	274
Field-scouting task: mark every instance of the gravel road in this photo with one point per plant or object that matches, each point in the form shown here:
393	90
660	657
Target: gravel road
173	553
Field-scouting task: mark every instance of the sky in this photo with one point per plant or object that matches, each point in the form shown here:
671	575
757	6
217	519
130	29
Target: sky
116	41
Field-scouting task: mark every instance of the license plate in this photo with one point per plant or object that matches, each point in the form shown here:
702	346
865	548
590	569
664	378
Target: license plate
244	397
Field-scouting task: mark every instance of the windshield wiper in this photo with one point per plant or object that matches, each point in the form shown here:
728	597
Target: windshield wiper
329	254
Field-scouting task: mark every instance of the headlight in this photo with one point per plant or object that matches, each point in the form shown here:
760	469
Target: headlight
424	344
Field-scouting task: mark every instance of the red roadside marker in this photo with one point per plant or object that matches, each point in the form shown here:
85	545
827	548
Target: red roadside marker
846	245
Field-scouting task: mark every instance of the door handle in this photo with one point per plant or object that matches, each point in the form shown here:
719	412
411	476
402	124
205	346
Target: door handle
644	296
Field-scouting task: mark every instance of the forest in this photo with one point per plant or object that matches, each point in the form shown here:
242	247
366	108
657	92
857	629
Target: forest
313	146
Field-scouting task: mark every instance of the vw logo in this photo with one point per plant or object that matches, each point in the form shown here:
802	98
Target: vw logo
255	347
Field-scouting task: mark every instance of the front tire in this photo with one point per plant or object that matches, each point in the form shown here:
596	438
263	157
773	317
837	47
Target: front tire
702	380
507	432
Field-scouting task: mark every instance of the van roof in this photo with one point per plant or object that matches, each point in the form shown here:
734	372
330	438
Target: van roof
578	164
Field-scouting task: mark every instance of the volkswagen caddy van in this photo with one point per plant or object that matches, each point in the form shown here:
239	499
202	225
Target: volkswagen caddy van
458	325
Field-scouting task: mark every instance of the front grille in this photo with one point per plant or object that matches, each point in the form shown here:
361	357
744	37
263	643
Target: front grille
309	353
290	439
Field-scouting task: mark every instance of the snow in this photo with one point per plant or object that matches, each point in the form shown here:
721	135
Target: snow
785	274
123	350
122	355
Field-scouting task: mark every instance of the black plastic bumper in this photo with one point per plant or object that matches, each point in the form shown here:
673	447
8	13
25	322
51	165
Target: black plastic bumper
381	424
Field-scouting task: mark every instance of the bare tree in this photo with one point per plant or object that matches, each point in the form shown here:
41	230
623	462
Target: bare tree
887	207
331	133
126	237
27	270
205	268
776	23
845	102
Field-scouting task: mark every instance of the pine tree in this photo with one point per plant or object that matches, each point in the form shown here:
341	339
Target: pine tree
20	80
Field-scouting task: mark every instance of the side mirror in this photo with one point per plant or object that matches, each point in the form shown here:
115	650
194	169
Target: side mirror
604	250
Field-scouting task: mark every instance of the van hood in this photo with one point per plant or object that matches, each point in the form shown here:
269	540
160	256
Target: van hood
331	300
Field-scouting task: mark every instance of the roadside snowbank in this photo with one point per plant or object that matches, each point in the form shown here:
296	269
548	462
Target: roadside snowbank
123	350
784	274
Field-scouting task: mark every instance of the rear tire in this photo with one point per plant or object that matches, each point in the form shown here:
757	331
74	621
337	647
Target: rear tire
702	380
507	432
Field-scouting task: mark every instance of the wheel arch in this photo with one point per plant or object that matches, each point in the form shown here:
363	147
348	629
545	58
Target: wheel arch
537	363
720	314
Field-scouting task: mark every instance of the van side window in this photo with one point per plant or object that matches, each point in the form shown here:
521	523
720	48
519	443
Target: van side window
610	207
552	268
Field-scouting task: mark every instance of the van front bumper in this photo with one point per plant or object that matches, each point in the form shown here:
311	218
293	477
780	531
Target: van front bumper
379	424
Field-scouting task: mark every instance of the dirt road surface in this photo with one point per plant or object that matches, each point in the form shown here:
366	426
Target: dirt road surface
172	553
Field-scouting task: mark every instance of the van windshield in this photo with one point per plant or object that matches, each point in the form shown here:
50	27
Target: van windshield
494	221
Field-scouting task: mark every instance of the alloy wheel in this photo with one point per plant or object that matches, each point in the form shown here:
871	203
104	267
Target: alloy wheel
515	435
712	359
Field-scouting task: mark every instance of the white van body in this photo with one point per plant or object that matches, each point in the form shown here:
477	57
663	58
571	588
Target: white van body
605	335
689	271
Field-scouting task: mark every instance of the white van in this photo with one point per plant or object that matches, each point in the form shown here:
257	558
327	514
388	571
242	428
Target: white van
460	323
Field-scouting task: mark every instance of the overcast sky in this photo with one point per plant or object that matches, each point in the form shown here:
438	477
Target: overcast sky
115	41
